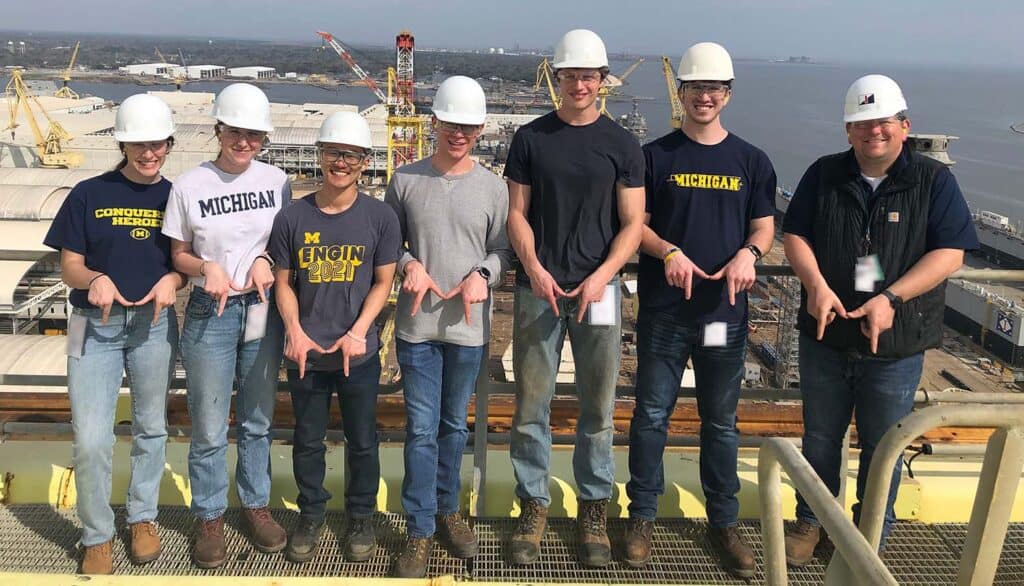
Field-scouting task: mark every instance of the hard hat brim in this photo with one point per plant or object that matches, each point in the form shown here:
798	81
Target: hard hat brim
245	124
141	136
455	118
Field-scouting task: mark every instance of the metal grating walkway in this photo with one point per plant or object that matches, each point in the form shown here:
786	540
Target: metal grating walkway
39	538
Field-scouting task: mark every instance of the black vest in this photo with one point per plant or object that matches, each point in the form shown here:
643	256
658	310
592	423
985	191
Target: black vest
898	220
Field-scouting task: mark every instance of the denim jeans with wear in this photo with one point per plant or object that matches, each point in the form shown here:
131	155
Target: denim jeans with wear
216	354
438	380
537	340
834	384
664	345
127	343
311	401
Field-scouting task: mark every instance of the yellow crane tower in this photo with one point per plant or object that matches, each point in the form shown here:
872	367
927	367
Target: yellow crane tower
51	147
546	74
65	91
673	95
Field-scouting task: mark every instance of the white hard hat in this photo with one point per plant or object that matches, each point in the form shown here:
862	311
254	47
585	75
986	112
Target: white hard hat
705	62
460	100
244	106
580	48
143	118
872	97
346	128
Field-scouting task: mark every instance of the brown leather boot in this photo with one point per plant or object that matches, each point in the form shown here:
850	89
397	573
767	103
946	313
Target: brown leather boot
638	542
98	559
208	549
593	547
801	539
145	542
263	530
734	554
412	562
533	521
461	540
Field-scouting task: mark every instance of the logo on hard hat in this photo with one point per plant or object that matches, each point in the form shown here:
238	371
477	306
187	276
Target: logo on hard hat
140	233
866	99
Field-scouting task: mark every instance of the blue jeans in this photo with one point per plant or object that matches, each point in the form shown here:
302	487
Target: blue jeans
311	400
215	355
664	345
835	384
438	380
127	343
537	340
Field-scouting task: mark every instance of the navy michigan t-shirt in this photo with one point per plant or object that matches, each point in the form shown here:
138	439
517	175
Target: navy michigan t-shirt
115	224
701	198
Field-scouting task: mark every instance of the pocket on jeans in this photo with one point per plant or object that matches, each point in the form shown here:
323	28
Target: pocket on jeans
199	307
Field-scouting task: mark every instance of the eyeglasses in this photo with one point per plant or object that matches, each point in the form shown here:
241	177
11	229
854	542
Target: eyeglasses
157	147
883	123
350	157
236	134
467	130
587	77
711	89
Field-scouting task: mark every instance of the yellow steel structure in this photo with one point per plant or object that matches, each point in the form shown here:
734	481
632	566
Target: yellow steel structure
51	147
673	95
405	133
545	74
65	91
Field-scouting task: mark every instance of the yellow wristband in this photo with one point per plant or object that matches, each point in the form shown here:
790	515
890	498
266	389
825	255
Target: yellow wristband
672	252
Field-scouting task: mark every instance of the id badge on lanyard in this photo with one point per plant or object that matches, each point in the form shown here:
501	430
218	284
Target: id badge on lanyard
869	269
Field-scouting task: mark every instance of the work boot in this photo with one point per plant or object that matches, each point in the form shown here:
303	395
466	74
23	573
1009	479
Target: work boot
145	542
533	521
459	535
734	554
361	539
801	539
208	550
593	548
305	539
263	530
98	559
412	562
638	542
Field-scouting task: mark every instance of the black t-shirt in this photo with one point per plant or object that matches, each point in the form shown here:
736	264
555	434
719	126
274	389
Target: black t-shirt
701	198
332	257
115	224
572	172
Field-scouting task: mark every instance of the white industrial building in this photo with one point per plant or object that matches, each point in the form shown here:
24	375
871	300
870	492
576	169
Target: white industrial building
252	72
199	71
162	69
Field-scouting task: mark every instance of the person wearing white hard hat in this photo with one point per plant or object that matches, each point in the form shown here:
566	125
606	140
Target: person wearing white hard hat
123	286
335	252
219	217
710	208
872	233
452	212
575	216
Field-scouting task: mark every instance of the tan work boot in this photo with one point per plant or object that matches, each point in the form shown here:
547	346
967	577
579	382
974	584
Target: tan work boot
263	530
638	542
801	539
593	547
98	559
412	562
734	553
208	549
533	521
145	542
458	535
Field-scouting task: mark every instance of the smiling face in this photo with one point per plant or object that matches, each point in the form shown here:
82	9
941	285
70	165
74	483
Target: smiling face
144	159
579	87
342	164
703	101
238	146
878	142
456	140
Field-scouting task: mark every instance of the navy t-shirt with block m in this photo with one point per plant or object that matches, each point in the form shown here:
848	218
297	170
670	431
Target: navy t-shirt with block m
115	224
702	198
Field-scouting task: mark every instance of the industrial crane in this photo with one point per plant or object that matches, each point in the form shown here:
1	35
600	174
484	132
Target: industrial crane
65	91
51	147
181	77
546	74
673	95
359	71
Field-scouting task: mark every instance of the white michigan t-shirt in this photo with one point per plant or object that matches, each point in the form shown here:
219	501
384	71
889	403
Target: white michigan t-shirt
226	217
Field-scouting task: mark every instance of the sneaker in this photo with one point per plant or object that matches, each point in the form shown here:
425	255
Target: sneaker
361	539
461	540
638	542
801	539
145	542
208	548
593	547
305	539
263	530
533	521
412	562
98	559
734	554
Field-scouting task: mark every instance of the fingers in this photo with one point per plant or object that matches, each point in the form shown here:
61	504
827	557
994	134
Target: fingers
259	291
467	309
301	360
416	303
856	313
822	322
583	311
715	276
451	294
575	292
157	308
222	301
106	312
687	284
837	306
344	362
233	285
149	297
874	339
697	271
732	291
552	302
121	300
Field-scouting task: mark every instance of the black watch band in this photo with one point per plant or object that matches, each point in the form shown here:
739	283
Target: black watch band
483	272
755	251
894	299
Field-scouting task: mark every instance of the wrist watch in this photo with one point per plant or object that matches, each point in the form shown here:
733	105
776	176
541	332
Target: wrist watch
268	258
894	299
483	272
755	251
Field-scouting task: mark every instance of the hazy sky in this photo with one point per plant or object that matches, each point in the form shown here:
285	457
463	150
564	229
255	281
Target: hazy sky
984	33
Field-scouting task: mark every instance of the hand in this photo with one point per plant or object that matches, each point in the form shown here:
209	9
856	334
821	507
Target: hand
591	290
739	274
217	284
163	294
351	346
473	290
679	272
824	305
418	282
103	293
878	314
297	347
545	287
260	276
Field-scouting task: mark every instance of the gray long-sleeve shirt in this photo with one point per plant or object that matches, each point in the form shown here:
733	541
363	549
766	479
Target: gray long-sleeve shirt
452	224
